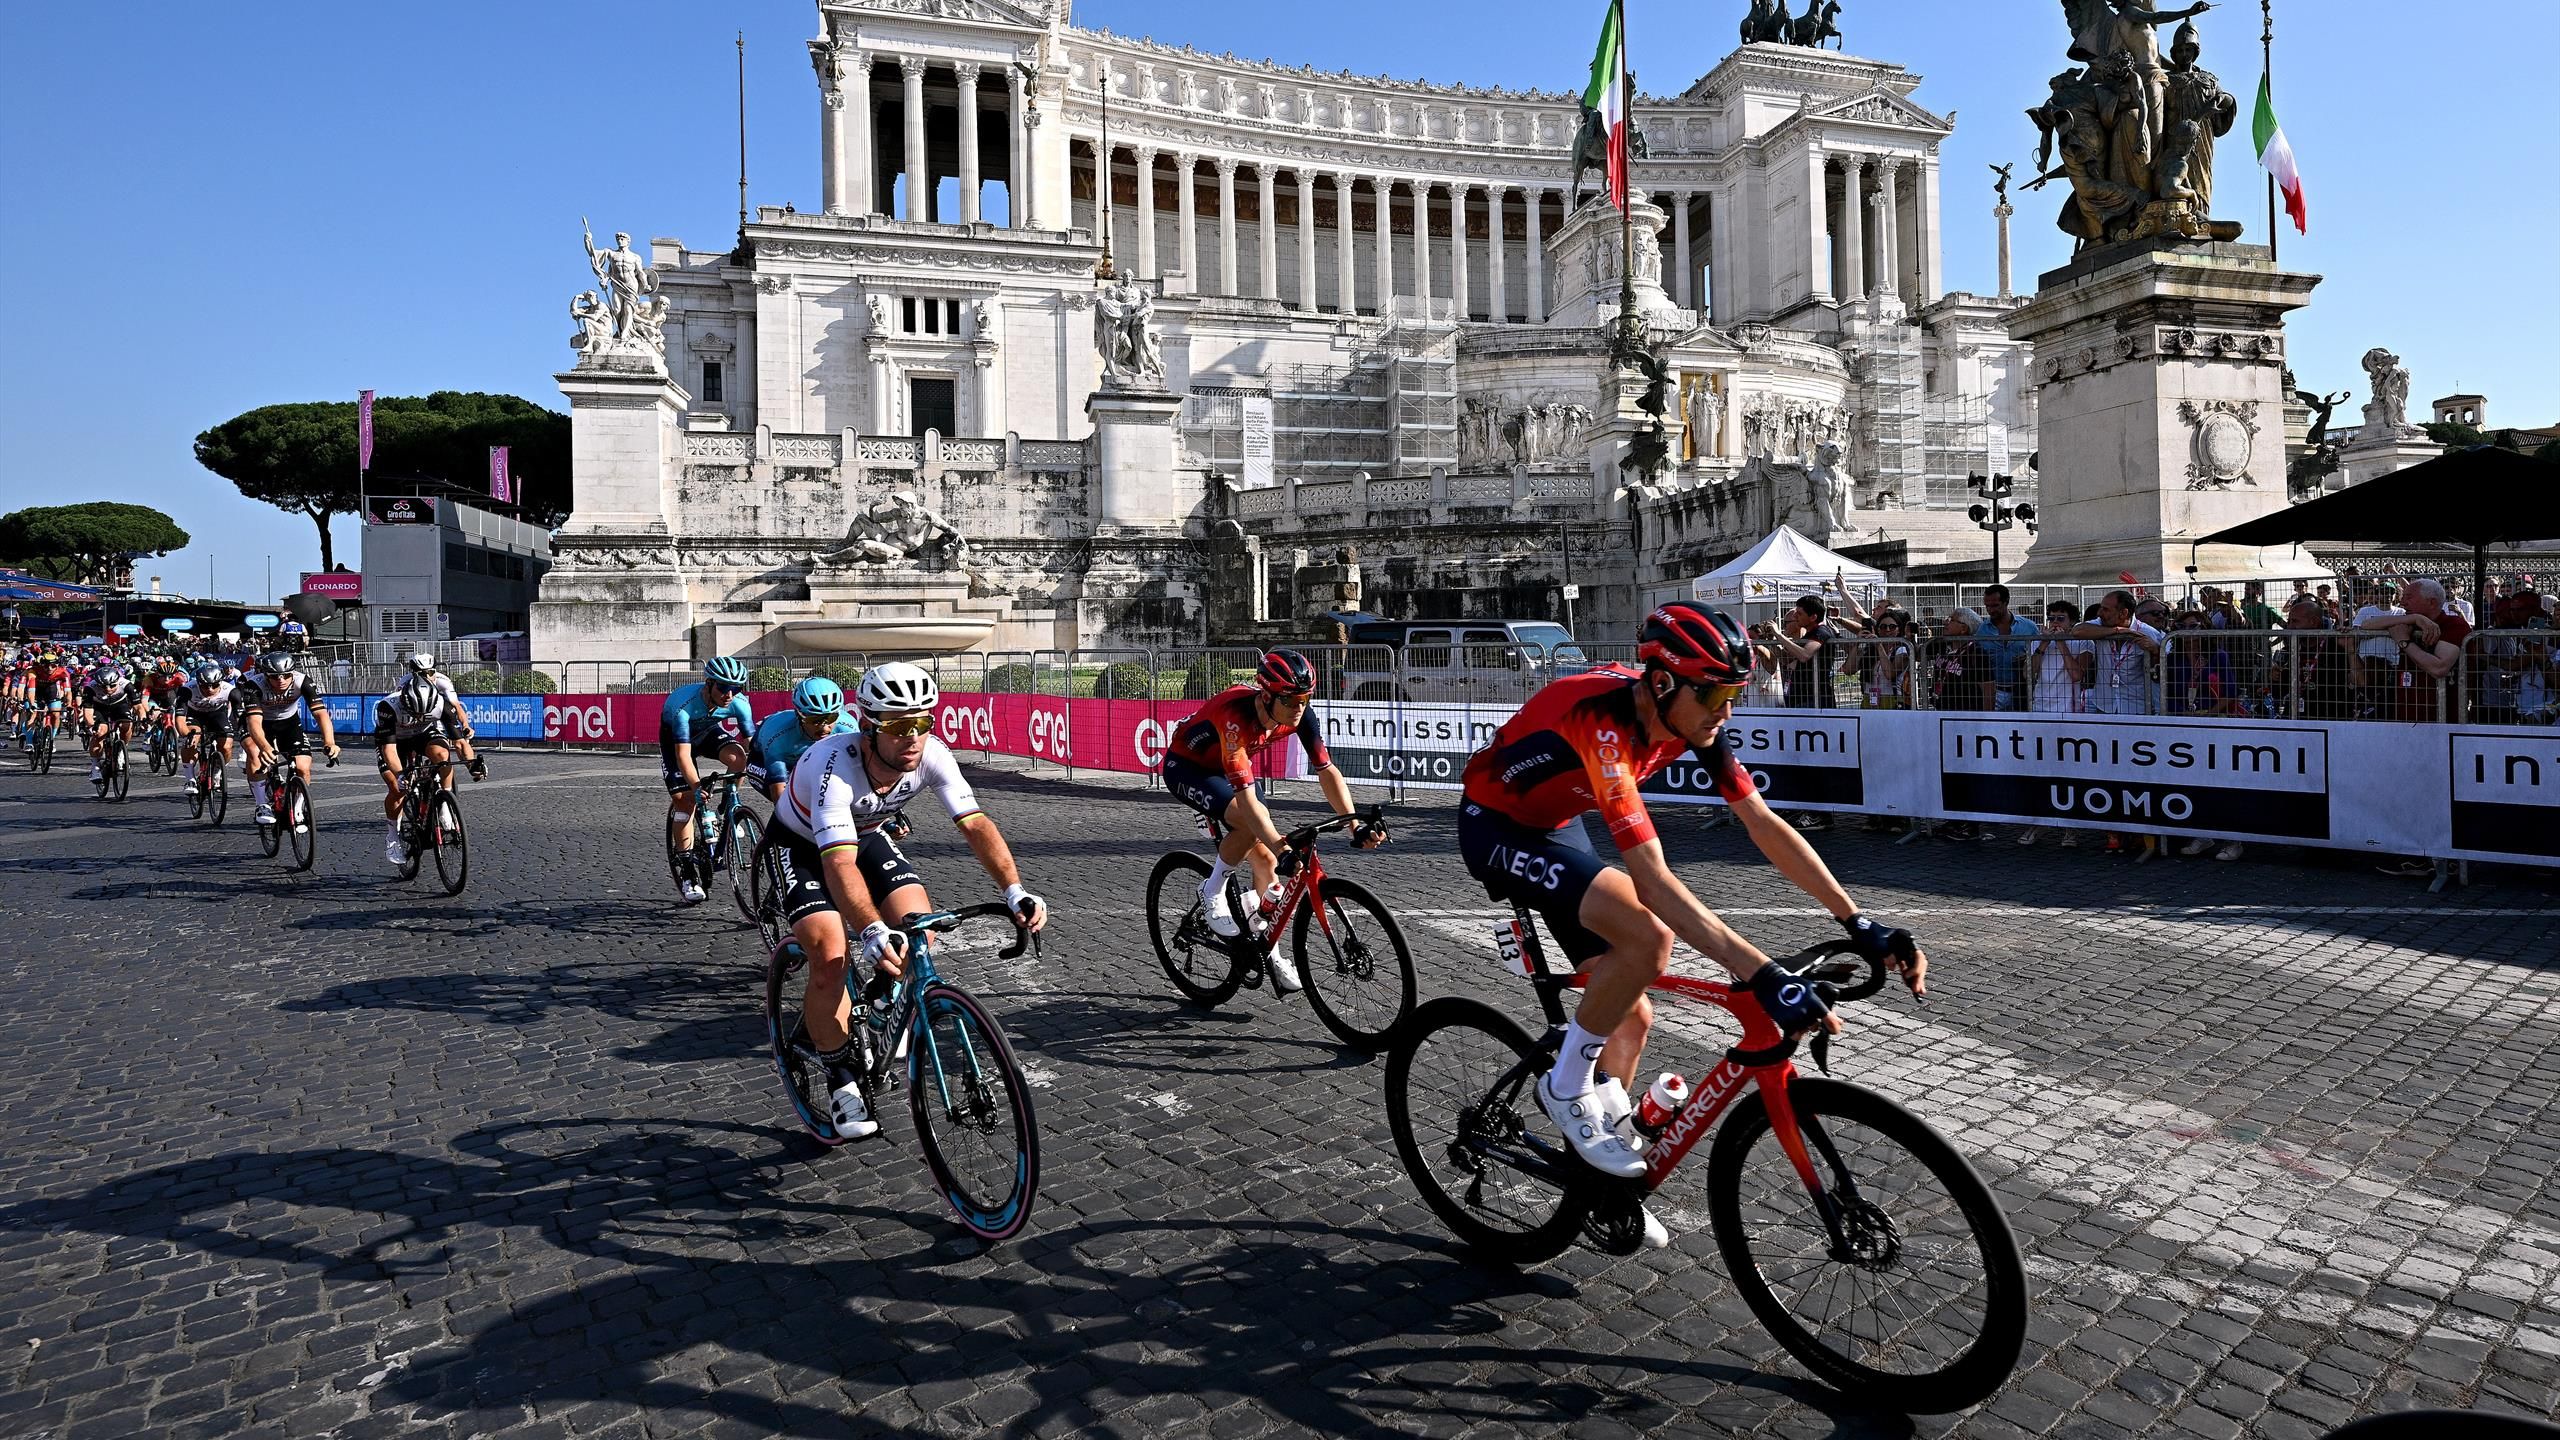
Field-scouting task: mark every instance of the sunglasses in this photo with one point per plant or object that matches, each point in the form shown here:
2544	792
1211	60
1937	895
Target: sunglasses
904	727
1714	697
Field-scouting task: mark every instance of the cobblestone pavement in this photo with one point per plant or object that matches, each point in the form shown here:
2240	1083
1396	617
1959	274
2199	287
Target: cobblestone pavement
333	1155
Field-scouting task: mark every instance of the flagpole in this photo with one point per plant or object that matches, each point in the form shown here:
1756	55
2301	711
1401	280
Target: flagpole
1627	321
2267	45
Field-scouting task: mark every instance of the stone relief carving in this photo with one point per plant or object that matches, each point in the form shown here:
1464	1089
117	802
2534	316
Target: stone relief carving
621	323
1784	427
894	527
1703	415
2221	434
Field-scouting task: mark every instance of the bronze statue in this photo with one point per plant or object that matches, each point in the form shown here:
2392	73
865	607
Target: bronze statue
2198	112
2319	458
1591	147
2134	135
1771	23
2000	186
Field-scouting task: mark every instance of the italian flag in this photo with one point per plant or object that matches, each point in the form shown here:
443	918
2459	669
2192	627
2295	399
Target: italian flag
1607	93
2276	153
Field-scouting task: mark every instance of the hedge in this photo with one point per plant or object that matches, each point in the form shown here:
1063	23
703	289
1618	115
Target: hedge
1206	676
531	682
1126	680
1011	678
477	682
769	677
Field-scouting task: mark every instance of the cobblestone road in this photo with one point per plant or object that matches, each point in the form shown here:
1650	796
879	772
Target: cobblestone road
330	1155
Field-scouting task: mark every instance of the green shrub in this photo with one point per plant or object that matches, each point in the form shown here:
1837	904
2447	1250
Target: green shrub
476	682
1206	676
1126	680
1012	678
769	677
845	675
531	682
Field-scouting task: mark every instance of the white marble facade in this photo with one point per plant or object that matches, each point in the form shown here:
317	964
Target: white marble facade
1294	223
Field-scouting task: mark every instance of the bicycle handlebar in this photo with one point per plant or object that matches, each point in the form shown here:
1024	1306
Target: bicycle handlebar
1305	835
1830	966
941	920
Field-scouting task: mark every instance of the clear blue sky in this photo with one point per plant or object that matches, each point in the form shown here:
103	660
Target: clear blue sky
216	207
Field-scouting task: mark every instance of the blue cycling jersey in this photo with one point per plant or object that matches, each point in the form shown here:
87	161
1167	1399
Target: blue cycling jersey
690	713
779	741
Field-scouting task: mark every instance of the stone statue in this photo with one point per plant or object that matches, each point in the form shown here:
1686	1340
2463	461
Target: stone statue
649	324
895	527
595	324
981	324
878	305
622	323
2134	135
1705	419
1829	479
2388	411
1124	331
626	278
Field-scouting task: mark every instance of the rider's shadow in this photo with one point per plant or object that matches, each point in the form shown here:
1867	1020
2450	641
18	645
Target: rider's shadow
1158	1032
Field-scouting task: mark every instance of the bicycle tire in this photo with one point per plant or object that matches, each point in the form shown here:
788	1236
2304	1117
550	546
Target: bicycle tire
412	830
1347	977
217	801
41	758
738	858
1826	1111
195	797
294	818
1203	984
1538	1215
271	834
803	1078
978	1089
119	772
452	846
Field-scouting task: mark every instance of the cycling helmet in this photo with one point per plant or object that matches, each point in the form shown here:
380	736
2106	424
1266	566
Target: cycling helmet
896	688
725	670
818	698
208	676
112	678
1286	672
419	698
421	663
1697	644
277	662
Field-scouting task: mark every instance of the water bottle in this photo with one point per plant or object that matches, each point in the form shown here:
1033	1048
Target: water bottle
1654	1111
1506	938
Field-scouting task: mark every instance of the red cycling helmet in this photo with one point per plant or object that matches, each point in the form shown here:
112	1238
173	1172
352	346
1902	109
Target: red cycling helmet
1701	646
1286	672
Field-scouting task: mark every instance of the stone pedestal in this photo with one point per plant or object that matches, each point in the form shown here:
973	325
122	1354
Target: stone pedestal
1614	426
616	589
1136	486
2376	452
2159	410
1587	249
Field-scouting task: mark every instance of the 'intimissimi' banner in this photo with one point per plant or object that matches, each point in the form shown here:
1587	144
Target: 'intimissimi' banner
2192	777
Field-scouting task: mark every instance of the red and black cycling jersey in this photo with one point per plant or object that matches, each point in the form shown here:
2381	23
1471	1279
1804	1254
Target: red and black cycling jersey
1574	748
1223	734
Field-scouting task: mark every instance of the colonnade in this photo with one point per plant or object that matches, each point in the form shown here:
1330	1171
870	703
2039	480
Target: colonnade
854	121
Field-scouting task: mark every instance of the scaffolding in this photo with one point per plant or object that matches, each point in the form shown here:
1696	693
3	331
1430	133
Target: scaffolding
1960	435
1887	390
1329	422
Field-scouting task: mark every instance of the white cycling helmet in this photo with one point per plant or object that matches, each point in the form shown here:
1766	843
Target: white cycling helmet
896	688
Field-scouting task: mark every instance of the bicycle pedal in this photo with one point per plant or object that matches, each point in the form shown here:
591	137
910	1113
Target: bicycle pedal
1615	1225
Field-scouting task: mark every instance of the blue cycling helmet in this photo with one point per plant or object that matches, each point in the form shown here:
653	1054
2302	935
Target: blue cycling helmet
726	670
818	698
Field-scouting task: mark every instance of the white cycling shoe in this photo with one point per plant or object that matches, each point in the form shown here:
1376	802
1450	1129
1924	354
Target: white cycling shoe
266	817
395	850
692	893
852	1118
1284	975
1213	908
1587	1129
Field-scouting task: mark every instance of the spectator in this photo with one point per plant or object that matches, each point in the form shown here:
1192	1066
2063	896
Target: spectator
2537	685
2058	671
2313	665
1807	645
2005	639
1960	679
2201	678
2456	605
1884	664
2123	682
2371	665
2427	641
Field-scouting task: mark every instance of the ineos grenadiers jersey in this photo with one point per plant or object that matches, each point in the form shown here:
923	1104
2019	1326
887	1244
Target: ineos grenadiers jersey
1572	749
779	741
831	800
1223	734
285	703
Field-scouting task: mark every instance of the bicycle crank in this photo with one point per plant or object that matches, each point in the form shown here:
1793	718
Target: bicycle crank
1615	1223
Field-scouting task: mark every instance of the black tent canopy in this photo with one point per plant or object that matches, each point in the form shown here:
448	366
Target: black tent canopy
2478	497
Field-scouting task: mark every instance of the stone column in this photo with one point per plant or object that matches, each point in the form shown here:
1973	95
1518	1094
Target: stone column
1383	187
1346	256
861	180
1853	180
1422	243
967	74
1459	289
919	185
1226	225
2001	212
1924	227
1147	212
1537	255
1306	239
1186	209
1680	246
1269	189
1889	233
831	126
1497	275
1017	183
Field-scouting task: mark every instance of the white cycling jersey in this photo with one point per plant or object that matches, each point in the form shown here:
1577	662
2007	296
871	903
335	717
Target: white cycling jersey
831	800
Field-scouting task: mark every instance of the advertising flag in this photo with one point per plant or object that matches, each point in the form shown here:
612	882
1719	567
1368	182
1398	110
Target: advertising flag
364	430
501	488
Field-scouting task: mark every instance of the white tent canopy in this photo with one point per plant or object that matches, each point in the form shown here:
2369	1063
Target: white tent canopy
1782	567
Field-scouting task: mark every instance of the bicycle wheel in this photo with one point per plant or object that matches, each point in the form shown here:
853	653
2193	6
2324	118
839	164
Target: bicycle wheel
738	857
1484	1156
445	837
1925	1307
412	831
42	758
973	1112
804	1079
293	817
1199	963
119	772
271	834
1359	972
217	802
195	797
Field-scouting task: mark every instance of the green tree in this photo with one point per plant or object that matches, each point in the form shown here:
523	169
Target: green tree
302	456
88	542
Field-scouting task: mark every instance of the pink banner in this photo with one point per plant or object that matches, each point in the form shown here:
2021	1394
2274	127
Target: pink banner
364	430
501	488
335	584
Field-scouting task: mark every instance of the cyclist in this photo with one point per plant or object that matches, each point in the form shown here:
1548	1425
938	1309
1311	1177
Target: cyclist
1586	742
107	704
839	867
160	693
275	726
47	687
423	665
713	718
427	717
204	721
1208	765
817	711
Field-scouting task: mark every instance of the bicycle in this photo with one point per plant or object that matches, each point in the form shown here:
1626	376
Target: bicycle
163	744
431	822
209	792
964	1088
727	836
1838	1179
40	745
115	777
1361	985
289	801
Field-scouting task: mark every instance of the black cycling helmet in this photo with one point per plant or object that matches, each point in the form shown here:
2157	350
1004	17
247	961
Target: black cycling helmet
278	663
1701	646
1286	672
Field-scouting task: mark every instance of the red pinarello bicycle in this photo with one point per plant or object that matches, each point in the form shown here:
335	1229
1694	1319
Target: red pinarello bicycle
1857	1234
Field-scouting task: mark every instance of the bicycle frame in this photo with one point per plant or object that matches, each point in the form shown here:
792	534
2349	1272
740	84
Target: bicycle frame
1308	875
